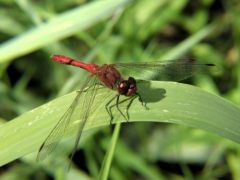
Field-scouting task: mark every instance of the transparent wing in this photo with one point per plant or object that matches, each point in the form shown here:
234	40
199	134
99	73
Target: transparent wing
88	100
163	71
60	128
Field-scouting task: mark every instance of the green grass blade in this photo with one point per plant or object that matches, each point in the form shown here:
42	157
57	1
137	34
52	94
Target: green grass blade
58	28
167	102
187	44
106	165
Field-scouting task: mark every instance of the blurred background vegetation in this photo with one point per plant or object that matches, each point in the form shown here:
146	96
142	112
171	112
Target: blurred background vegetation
131	31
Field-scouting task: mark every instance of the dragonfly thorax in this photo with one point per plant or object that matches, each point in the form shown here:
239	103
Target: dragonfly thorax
109	76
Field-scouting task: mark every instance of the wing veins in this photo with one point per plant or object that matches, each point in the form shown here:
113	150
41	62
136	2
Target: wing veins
169	70
59	129
87	104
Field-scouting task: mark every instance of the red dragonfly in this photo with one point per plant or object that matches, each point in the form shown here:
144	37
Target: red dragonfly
109	76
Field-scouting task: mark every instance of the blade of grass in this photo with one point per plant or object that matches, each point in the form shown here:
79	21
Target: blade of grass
59	27
187	44
167	102
105	169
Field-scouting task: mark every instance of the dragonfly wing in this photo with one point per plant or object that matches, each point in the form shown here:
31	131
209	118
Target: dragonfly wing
60	128
163	71
88	100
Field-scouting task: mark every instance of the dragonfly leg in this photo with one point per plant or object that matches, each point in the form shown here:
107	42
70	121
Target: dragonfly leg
109	106
109	109
131	99
117	106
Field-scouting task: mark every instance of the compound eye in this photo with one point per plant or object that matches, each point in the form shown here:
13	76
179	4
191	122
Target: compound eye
132	86
131	91
123	85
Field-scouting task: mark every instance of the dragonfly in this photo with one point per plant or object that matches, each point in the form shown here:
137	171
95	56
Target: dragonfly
110	76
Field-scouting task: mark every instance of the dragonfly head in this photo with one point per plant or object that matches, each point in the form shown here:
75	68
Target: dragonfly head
127	87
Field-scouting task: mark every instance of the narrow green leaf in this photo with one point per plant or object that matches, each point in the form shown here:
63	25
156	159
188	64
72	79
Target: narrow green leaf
166	101
58	28
105	168
187	44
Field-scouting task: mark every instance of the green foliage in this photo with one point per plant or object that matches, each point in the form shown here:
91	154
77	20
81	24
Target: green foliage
106	32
